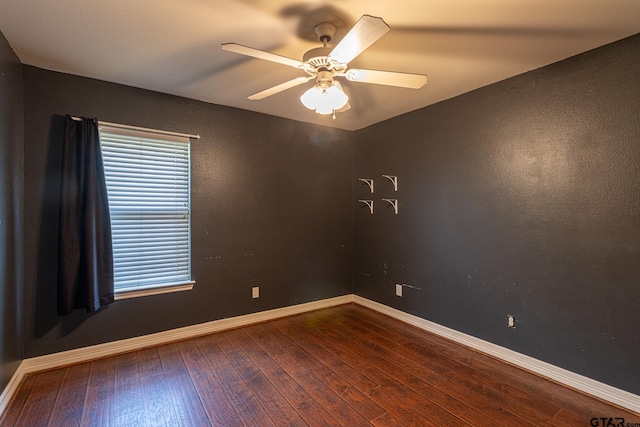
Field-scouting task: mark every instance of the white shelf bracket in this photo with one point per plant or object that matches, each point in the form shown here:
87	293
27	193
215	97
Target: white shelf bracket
394	203
394	181
368	203
368	181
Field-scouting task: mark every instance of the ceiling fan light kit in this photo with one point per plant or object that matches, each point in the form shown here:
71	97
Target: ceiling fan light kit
326	96
324	101
325	64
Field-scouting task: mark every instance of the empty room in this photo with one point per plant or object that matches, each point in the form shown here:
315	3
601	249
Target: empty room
277	212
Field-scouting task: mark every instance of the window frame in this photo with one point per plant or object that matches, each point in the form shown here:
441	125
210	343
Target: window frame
114	132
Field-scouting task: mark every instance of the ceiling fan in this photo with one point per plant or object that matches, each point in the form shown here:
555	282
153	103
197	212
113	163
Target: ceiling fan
324	64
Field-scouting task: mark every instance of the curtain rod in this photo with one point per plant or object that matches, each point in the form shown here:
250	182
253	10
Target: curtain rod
162	132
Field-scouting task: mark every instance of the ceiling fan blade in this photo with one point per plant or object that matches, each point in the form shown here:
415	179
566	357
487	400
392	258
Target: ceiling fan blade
279	88
261	54
364	33
389	78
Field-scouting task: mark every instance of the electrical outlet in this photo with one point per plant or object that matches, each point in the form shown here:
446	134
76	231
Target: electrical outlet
255	292
511	321
398	290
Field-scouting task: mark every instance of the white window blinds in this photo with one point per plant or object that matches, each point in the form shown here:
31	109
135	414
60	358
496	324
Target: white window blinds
148	183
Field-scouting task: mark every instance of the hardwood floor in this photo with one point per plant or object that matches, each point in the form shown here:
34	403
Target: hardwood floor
341	366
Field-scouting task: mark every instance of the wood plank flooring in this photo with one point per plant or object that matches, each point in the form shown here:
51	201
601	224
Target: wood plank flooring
340	366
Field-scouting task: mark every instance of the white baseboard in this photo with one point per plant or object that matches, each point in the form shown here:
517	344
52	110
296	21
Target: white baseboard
50	361
11	388
85	354
584	384
70	357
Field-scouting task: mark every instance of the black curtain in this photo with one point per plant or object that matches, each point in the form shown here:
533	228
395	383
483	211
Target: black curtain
85	254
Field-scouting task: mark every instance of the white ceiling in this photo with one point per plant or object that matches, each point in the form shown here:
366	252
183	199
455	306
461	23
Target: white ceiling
173	46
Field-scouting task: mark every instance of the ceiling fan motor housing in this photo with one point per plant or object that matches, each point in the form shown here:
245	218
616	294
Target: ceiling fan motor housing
318	59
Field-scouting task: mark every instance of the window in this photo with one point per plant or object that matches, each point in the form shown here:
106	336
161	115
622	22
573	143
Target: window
148	185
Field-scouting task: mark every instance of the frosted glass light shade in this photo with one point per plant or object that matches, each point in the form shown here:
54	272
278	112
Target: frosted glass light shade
337	98
311	97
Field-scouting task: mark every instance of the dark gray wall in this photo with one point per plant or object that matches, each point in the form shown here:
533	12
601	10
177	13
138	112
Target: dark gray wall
10	212
519	198
271	202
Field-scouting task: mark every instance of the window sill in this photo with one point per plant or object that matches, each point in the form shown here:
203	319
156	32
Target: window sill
143	291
